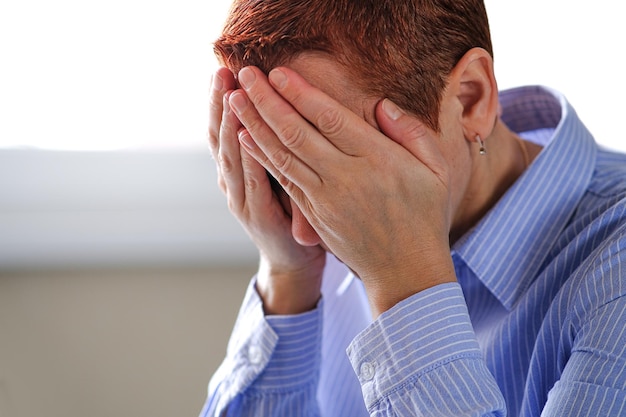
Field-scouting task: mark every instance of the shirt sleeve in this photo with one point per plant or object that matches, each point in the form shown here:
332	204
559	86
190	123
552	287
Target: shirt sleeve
272	364
591	347
595	375
421	358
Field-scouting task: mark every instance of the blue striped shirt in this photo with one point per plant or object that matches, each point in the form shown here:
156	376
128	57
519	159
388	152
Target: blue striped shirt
536	323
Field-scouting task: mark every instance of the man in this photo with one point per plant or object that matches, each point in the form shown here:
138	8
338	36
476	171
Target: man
484	234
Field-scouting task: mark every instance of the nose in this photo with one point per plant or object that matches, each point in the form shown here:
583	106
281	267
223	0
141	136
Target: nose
301	229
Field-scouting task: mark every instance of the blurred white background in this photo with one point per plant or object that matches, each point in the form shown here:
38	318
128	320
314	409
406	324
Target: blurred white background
573	46
120	268
103	114
102	75
134	74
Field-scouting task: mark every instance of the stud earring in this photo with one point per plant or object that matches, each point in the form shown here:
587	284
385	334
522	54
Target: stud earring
482	149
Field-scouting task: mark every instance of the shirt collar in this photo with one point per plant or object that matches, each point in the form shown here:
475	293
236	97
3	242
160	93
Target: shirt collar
508	247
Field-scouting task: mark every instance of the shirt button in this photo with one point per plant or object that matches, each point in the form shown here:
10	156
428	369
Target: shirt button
368	369
254	355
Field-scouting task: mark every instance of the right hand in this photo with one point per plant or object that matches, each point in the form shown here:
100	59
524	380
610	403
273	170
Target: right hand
290	274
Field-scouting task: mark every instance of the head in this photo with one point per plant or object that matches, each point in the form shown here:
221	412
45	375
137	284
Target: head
399	49
421	54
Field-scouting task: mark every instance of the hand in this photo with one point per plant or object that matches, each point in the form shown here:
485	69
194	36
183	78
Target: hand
289	279
383	210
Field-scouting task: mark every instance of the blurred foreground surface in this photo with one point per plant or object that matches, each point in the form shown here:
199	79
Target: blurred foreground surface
113	342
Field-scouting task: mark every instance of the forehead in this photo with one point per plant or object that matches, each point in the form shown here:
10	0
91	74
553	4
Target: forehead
326	74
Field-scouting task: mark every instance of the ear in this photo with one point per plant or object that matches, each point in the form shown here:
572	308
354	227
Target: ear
473	83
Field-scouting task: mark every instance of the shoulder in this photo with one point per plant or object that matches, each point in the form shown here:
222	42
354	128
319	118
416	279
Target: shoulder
600	215
609	177
594	241
600	279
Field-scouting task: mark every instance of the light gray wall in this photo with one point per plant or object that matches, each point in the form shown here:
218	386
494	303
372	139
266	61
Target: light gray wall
123	208
114	342
121	274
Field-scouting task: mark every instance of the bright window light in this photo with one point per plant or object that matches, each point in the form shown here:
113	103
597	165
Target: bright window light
135	73
84	75
573	46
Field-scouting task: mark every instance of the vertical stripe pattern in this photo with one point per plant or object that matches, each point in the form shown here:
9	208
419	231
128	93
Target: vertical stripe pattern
536	324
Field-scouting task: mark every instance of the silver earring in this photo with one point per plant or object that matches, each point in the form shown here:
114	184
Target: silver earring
482	149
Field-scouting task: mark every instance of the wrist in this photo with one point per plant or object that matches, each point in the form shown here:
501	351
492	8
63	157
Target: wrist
286	291
387	286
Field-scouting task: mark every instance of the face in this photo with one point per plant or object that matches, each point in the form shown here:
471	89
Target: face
328	76
325	74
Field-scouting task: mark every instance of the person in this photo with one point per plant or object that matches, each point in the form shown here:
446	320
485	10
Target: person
428	246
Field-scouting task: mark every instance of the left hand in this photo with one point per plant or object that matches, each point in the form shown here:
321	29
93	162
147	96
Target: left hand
382	206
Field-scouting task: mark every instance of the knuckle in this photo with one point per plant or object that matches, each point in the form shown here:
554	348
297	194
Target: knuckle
415	131
252	121
256	125
284	182
226	164
293	137
298	98
282	161
260	99
215	104
227	132
330	122
250	183
232	205
214	123
213	138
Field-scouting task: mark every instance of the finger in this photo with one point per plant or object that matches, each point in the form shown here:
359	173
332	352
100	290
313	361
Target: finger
263	144
296	135
255	179
259	196
229	156
222	81
411	134
346	130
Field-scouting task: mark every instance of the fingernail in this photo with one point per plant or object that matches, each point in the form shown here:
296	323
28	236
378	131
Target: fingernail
218	83
246	78
278	78
238	101
392	110
245	139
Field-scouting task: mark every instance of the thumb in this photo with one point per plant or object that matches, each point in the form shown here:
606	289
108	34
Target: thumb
410	133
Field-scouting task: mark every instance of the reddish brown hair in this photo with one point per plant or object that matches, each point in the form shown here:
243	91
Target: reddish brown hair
400	49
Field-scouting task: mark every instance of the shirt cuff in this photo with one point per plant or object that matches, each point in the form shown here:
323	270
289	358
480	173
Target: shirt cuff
417	336
278	353
296	358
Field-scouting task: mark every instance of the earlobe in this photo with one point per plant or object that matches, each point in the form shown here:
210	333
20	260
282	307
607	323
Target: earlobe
477	92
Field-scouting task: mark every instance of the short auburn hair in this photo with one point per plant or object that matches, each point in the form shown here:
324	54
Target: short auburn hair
400	49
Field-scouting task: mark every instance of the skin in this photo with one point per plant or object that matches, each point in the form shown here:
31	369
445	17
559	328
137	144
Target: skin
410	192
